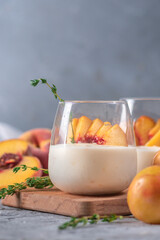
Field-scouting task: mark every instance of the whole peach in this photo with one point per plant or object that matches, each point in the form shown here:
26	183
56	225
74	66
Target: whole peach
144	195
39	139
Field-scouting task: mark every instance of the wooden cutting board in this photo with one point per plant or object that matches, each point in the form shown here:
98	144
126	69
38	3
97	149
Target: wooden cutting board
55	201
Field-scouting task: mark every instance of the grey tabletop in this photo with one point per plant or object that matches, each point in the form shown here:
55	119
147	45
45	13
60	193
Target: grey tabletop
24	224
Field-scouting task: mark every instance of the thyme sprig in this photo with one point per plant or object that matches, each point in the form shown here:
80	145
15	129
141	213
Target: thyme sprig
24	168
53	88
33	182
90	219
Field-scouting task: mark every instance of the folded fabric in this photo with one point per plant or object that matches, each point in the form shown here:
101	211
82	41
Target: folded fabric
7	131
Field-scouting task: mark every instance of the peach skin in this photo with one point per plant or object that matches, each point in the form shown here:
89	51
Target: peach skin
39	140
144	195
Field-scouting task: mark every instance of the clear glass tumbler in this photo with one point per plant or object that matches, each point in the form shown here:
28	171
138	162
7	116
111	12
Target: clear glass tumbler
92	147
143	108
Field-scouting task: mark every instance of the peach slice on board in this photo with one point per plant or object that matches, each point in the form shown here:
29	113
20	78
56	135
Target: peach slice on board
115	136
95	126
142	127
82	127
39	140
155	129
154	141
72	129
12	153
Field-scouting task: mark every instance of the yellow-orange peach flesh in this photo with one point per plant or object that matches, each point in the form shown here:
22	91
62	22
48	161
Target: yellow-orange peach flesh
142	127
12	154
82	127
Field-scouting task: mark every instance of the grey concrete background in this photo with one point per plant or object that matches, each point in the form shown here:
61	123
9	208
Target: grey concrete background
91	49
31	225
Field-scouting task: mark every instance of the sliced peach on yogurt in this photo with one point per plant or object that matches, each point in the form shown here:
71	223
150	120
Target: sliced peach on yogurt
98	138
142	127
154	141
82	127
115	136
95	126
155	129
72	129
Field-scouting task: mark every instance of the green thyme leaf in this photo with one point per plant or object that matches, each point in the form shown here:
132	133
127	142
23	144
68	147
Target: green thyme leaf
34	82
53	87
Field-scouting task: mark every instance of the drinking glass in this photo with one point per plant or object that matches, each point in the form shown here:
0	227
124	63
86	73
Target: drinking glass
149	107
143	106
81	165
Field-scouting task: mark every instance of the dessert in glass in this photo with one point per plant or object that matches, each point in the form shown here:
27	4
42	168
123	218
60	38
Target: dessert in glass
145	113
92	147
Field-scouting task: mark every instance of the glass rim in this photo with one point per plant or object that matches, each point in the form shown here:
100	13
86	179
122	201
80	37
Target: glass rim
141	98
94	101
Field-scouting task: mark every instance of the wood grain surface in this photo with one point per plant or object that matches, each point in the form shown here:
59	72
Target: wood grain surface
55	201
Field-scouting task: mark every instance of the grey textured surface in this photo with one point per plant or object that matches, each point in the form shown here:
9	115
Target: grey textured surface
25	225
91	49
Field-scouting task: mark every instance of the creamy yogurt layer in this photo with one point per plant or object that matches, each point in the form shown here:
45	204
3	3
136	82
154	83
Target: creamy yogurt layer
145	156
91	168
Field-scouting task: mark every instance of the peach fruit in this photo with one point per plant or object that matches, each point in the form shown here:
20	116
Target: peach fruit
115	136
13	154
98	138
72	129
144	195
154	141
155	129
142	127
39	140
82	127
156	160
95	126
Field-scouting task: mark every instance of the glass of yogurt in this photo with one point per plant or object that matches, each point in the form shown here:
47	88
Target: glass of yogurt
92	148
141	108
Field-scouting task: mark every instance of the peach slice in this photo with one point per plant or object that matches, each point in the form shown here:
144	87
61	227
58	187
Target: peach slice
155	129
115	136
7	177
95	126
72	129
39	140
98	138
142	127
15	146
12	154
82	127
154	141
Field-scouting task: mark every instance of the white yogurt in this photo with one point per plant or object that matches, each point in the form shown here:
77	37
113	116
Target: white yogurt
92	169
145	156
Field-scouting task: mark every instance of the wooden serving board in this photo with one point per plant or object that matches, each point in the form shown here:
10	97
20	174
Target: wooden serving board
55	201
